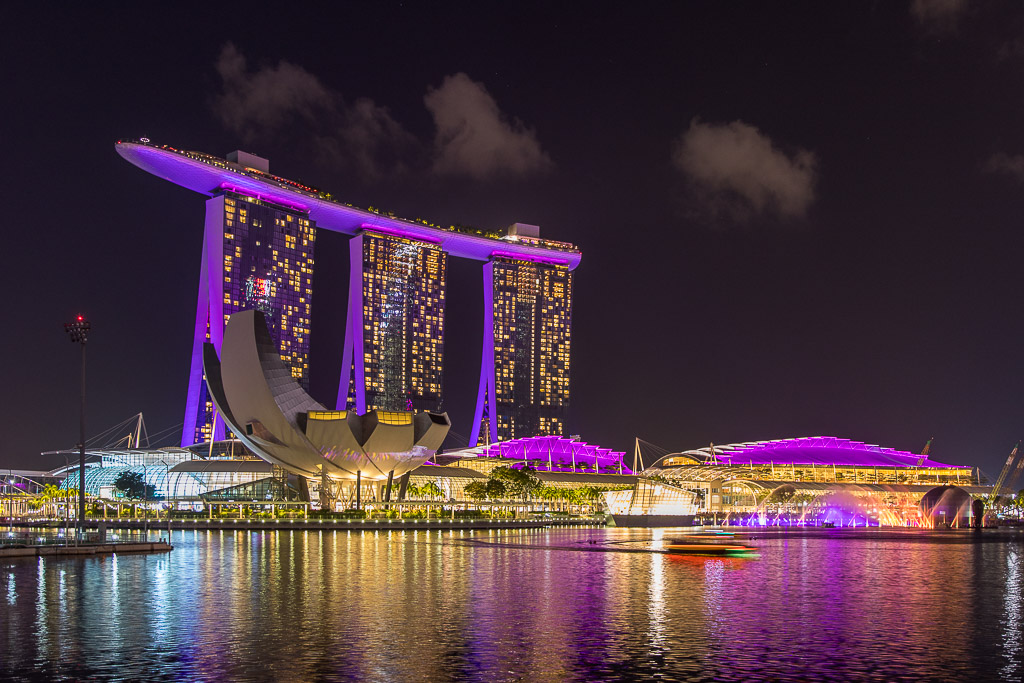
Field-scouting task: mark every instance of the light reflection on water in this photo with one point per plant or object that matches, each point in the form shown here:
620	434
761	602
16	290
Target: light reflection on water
518	605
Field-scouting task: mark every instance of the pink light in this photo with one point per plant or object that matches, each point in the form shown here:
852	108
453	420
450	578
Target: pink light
263	197
529	257
408	234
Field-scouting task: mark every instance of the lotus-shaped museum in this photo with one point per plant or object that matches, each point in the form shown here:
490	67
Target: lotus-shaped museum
253	391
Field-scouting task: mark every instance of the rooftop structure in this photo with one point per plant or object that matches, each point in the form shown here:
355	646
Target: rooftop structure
211	176
543	453
815	450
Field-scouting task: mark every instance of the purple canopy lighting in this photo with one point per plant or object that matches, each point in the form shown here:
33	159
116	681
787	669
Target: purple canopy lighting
556	454
817	450
209	175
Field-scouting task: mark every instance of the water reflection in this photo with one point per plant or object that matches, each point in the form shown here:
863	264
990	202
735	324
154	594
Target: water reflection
562	605
1012	622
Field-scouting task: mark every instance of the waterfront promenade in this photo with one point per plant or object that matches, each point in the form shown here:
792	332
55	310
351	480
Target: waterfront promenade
305	524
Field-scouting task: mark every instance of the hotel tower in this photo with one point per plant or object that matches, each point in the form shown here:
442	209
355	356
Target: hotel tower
394	335
258	253
524	376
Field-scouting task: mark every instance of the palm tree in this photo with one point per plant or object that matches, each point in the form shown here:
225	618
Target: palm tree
47	498
432	490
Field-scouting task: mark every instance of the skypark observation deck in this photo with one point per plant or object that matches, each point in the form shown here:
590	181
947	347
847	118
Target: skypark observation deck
211	175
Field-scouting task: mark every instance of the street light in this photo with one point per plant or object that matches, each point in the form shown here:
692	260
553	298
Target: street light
78	332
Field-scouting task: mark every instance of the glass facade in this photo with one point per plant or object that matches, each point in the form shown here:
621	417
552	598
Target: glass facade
525	376
258	256
396	325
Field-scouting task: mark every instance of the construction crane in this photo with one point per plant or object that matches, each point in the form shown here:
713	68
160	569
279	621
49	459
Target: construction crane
1011	483
1007	468
925	452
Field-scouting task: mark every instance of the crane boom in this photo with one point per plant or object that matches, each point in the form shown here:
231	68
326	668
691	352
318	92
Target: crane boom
1007	468
1011	483
925	451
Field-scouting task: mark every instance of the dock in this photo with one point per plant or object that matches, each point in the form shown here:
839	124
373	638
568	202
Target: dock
84	549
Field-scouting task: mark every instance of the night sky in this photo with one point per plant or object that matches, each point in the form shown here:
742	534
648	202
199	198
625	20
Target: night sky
796	218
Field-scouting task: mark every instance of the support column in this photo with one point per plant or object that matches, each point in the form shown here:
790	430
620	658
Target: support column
359	490
209	312
325	489
486	394
353	368
387	492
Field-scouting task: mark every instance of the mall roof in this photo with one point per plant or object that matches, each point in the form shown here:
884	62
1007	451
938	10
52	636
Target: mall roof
557	449
812	450
211	175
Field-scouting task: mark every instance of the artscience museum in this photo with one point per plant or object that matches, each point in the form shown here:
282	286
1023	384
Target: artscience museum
270	413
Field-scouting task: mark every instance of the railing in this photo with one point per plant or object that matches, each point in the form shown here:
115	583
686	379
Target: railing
35	538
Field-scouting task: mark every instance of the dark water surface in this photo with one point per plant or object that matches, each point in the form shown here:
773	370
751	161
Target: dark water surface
519	605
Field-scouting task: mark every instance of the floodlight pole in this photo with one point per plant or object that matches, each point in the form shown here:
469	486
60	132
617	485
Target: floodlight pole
81	452
78	332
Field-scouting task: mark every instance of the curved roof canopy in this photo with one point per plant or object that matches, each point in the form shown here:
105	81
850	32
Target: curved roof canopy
812	450
210	175
558	453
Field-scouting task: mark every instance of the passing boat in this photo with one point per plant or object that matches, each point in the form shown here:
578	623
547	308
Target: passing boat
718	544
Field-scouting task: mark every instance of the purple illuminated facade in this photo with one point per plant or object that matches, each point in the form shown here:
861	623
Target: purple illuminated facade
824	451
553	454
256	256
397	290
210	175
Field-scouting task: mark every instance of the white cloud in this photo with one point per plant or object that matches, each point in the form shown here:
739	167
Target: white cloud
938	16
252	101
260	102
1007	164
737	169
475	138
